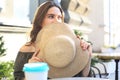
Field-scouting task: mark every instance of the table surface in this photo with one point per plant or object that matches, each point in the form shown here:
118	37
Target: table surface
107	55
79	78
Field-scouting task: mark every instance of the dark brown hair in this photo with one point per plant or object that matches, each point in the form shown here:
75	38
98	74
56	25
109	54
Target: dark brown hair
39	16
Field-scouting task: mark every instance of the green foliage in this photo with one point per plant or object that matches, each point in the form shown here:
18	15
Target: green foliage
77	32
6	70
2	49
94	61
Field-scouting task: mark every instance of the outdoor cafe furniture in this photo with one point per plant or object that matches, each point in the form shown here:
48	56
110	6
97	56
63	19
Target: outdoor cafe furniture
109	56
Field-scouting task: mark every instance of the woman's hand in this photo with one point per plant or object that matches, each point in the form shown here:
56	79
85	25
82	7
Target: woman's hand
85	45
35	58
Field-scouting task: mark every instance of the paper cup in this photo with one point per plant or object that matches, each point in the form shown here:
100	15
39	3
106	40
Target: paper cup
36	71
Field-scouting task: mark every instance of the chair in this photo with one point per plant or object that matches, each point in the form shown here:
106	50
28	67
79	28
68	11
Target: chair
94	67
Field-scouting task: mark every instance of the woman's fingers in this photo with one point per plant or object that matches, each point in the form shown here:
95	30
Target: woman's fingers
35	58
84	45
36	53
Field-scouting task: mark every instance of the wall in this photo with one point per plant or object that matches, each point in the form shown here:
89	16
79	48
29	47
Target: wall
96	16
14	38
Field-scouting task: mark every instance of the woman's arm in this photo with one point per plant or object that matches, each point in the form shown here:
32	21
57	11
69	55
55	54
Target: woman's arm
86	46
86	70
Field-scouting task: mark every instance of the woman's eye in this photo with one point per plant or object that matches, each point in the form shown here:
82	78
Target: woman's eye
51	16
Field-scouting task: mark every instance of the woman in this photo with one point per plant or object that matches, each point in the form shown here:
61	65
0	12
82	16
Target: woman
46	13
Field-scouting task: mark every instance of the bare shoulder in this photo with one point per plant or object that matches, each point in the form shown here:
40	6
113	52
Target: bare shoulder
27	48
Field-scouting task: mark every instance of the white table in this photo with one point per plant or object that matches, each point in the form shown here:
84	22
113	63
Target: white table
79	78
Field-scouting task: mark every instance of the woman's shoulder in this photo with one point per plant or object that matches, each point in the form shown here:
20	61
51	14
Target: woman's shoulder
27	47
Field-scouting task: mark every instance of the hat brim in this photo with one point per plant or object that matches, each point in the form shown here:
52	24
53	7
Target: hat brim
80	60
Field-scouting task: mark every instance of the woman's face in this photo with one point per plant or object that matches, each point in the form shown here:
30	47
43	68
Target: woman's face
53	15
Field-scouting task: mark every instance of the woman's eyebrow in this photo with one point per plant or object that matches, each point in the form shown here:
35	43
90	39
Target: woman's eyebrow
50	14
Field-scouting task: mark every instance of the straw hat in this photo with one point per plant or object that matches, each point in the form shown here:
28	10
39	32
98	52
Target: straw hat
60	48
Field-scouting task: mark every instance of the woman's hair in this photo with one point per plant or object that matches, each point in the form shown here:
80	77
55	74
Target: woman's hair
39	16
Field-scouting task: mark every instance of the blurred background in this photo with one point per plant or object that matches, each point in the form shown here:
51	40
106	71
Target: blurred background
97	20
